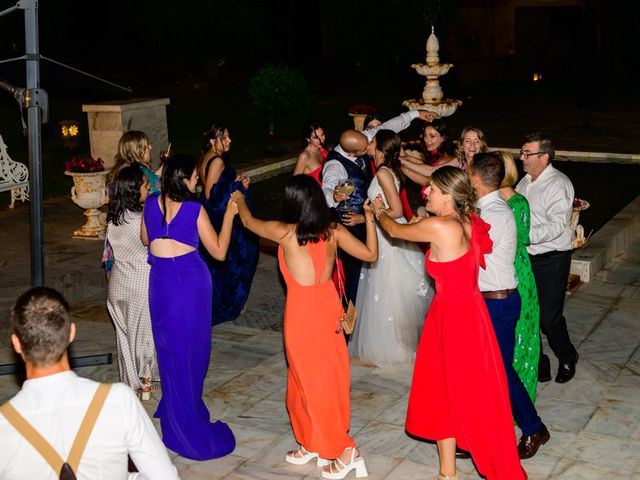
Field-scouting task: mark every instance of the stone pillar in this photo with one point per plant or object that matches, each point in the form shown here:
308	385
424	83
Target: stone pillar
109	120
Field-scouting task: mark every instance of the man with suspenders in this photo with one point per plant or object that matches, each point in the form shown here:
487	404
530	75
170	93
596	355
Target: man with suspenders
61	426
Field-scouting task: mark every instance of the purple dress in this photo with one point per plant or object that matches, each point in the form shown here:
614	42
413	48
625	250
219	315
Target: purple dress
180	306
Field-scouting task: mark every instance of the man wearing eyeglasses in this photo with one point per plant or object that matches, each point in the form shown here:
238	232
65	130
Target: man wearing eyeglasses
550	195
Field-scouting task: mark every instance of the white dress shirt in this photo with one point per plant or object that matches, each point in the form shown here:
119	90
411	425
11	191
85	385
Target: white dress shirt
55	406
333	171
500	273
550	199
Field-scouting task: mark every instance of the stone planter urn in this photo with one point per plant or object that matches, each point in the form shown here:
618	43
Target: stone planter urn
358	120
89	191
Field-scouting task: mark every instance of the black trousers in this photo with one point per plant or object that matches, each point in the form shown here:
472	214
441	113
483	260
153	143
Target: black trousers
551	270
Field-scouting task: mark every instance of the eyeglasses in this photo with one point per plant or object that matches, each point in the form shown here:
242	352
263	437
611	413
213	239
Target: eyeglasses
527	155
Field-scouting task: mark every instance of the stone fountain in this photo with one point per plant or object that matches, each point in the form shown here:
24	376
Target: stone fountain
432	94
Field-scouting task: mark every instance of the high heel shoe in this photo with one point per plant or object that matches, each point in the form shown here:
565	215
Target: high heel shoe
302	457
338	470
447	477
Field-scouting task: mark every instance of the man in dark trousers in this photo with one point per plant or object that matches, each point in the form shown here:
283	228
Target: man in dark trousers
550	196
498	285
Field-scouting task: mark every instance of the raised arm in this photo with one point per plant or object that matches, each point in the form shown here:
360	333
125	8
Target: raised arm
426	230
399	123
270	229
416	166
416	177
217	245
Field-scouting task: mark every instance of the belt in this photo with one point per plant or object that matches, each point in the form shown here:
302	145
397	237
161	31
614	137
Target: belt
498	294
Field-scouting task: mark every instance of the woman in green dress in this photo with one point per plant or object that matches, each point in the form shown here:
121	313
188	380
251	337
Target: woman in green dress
527	345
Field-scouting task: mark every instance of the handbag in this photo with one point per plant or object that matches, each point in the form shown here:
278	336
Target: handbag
347	320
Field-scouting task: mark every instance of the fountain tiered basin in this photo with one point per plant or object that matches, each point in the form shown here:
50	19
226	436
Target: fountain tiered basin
432	94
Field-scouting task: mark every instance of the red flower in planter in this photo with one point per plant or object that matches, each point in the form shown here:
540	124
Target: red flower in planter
361	108
84	165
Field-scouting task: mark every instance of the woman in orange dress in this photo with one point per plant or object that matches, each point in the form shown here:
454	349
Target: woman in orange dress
318	376
459	394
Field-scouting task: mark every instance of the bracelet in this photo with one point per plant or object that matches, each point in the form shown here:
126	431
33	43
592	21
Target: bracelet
379	212
368	221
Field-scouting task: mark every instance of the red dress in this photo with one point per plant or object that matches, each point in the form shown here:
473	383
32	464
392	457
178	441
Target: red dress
316	173
459	384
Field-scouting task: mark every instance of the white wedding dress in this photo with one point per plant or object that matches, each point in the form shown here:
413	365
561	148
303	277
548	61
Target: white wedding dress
394	294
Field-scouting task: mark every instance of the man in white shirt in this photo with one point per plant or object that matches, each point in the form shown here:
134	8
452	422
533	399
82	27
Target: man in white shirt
54	400
348	160
498	285
550	195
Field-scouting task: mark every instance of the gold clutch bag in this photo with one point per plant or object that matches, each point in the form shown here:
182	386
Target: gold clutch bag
347	320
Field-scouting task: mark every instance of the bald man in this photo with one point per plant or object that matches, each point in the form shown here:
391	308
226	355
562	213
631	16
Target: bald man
348	160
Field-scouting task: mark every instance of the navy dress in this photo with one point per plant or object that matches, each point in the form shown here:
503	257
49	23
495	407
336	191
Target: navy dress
232	277
180	306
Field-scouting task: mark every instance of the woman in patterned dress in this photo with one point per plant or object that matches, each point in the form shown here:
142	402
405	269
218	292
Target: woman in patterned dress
128	288
527	347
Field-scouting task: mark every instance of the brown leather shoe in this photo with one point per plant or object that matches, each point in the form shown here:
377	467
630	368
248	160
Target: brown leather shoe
529	445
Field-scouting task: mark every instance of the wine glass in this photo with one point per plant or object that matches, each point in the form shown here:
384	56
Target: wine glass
345	187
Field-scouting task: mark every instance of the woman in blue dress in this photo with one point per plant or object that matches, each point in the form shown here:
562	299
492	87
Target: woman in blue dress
180	306
232	277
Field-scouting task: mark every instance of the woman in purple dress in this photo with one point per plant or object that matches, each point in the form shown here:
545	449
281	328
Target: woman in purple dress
180	306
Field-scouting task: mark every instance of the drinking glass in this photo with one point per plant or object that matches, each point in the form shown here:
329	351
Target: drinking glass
346	187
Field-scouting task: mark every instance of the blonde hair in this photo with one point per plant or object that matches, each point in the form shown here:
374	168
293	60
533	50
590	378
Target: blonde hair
453	181
510	169
484	147
132	147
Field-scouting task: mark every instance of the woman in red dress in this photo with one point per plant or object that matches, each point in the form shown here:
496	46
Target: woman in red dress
459	393
312	158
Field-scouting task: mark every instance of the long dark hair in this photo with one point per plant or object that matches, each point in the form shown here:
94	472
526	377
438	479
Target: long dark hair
304	206
176	170
389	143
125	193
446	148
309	129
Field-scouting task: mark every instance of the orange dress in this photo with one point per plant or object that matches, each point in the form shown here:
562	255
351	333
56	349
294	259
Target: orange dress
318	377
459	387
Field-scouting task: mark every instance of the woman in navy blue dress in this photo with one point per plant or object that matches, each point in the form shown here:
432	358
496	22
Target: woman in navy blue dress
232	277
180	305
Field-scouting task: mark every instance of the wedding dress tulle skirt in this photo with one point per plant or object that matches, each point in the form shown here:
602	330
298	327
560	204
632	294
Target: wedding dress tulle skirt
394	294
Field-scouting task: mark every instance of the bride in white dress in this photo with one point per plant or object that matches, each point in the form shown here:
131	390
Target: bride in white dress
394	292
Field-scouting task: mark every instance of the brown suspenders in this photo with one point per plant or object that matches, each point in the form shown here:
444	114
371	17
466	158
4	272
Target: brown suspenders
43	447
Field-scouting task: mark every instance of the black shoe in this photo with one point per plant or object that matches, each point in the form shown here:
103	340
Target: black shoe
544	369
566	371
461	454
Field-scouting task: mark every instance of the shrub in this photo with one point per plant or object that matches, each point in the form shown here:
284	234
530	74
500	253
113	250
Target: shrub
280	94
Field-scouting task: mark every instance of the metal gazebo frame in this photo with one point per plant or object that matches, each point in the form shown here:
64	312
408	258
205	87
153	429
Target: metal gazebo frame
35	100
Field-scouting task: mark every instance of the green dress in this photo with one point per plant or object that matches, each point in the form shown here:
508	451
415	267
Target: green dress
527	345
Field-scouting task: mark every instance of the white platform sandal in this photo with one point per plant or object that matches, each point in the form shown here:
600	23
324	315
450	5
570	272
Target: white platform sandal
338	470
302	457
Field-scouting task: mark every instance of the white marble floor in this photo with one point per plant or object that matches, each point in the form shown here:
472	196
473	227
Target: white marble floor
594	419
